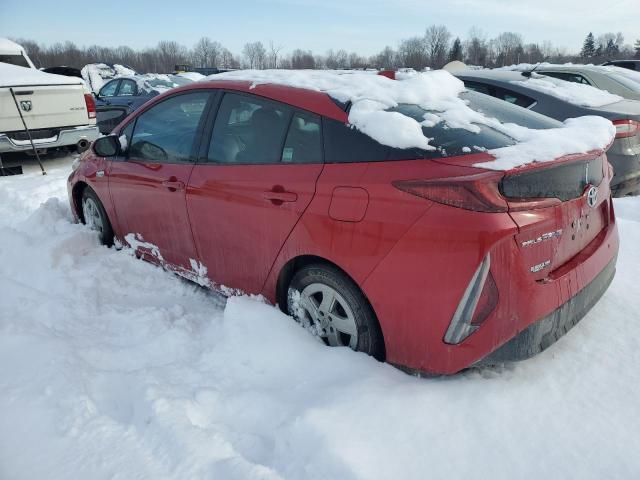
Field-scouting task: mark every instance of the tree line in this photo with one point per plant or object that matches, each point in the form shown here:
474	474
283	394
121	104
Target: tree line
433	49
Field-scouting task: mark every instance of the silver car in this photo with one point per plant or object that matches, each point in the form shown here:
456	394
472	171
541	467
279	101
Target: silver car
616	80
624	154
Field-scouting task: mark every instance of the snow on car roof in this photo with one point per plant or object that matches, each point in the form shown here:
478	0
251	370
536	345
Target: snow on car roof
8	47
576	67
438	92
15	76
575	93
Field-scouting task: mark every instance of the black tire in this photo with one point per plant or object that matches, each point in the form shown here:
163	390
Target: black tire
369	334
103	226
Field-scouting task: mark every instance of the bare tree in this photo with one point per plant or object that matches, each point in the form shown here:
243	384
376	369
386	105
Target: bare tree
476	47
436	40
272	55
206	52
413	54
508	47
255	54
301	59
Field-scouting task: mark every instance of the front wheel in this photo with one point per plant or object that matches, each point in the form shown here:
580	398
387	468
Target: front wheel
324	299
95	216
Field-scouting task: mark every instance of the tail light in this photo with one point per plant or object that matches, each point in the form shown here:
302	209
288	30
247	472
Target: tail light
626	128
91	105
479	192
478	301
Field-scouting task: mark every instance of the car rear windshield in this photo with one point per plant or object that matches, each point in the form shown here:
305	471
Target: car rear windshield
18	60
347	145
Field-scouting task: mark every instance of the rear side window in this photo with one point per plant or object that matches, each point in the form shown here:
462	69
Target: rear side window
18	60
249	130
165	133
127	88
304	140
345	144
568	77
477	87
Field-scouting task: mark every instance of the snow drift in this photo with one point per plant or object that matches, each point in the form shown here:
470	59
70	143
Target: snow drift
111	368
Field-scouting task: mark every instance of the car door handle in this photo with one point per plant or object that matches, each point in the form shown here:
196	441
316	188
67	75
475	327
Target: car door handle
130	103
173	185
278	197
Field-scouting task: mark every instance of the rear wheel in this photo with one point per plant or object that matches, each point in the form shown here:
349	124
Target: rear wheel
95	216
324	299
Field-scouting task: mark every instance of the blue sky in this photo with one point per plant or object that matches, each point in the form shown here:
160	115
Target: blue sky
364	26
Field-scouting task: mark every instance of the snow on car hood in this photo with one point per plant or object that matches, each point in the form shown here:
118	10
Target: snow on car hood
15	76
437	91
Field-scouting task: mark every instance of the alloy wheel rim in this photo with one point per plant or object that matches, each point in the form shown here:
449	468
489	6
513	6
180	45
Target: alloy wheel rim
92	217
330	315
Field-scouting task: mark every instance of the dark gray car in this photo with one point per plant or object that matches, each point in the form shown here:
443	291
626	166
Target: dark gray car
513	87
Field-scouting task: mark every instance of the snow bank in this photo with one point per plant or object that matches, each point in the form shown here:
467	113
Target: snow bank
15	76
111	368
193	76
438	92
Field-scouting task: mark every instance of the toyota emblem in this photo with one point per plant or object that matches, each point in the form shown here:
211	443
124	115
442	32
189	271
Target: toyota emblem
592	196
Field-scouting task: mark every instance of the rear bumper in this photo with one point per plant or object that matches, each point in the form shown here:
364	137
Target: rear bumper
548	330
431	266
66	137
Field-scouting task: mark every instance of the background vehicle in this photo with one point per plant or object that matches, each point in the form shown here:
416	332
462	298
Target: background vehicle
96	74
121	96
58	110
630	64
414	256
612	79
516	88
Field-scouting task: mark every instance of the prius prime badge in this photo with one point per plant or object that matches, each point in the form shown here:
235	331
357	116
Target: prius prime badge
26	105
592	196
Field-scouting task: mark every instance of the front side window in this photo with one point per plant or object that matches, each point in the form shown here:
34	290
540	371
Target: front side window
127	88
166	132
109	90
248	130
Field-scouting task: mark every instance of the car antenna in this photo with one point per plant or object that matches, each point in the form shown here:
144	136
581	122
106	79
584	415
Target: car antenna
529	72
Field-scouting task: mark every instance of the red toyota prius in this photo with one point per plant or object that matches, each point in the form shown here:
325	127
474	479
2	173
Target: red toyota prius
415	257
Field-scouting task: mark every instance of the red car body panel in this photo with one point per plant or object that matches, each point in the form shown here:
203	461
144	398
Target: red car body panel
247	213
413	258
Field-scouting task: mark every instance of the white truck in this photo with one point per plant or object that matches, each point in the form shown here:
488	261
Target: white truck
58	111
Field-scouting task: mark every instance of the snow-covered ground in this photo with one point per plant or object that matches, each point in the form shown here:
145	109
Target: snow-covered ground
111	368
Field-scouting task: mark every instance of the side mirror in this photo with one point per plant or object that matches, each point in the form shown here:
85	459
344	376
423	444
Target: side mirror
108	146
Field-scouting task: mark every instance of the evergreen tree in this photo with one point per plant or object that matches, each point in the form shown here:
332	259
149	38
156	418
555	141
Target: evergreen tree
637	48
456	50
611	50
589	47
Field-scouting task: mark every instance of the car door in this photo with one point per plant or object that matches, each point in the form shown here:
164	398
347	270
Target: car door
126	93
148	183
253	181
108	113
